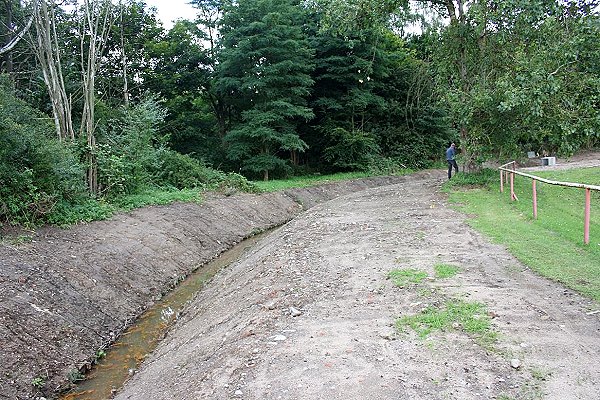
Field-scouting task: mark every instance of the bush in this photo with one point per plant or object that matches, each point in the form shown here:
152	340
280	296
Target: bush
352	150
36	170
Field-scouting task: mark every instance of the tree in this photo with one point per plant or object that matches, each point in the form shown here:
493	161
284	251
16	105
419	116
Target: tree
182	75
48	51
95	26
264	70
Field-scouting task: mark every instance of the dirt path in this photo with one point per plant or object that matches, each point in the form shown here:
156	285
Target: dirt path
241	338
65	294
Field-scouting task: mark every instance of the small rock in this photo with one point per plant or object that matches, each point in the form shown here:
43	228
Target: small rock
238	393
278	338
545	317
515	363
294	312
387	335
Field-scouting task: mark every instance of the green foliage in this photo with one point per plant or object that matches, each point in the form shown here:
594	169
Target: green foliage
352	151
443	271
470	317
265	65
156	197
405	277
552	245
521	76
372	96
36	171
127	151
67	213
38	382
304	181
482	178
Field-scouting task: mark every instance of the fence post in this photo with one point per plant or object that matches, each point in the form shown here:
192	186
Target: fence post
501	181
534	199
512	186
586	223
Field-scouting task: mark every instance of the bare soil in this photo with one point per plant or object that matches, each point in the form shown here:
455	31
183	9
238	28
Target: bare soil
242	337
307	314
65	294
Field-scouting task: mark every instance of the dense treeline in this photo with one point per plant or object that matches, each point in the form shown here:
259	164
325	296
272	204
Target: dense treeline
100	102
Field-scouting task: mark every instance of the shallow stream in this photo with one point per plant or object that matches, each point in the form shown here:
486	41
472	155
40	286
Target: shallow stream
121	360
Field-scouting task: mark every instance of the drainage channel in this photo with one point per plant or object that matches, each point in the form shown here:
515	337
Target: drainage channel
119	361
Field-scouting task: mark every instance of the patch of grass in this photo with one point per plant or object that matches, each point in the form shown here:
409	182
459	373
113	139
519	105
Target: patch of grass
65	214
38	382
312	180
470	317
483	178
17	240
75	376
158	197
552	245
405	277
443	271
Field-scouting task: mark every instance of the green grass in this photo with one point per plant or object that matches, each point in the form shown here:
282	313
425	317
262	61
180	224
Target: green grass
304	181
65	214
552	245
406	277
158	197
443	271
470	317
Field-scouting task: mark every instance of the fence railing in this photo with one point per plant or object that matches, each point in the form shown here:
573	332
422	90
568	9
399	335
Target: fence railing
508	172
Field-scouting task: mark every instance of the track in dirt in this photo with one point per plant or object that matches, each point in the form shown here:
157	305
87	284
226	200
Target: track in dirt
65	294
243	337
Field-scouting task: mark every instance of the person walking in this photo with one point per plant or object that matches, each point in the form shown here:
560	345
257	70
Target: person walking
450	153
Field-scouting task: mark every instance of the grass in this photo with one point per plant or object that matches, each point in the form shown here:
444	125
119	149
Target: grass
470	317
65	214
406	277
312	180
552	245
304	181
158	197
443	271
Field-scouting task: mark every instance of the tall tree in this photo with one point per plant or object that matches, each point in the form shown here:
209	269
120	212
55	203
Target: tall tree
48	52
95	26
264	70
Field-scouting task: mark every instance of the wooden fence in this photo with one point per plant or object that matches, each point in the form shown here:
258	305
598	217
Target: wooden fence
508	172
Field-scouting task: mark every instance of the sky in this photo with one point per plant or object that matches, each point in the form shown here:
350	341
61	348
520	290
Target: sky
170	10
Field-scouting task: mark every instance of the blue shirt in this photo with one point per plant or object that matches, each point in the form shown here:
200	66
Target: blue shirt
450	152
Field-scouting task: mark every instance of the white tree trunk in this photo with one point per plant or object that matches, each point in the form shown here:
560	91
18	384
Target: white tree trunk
94	31
48	54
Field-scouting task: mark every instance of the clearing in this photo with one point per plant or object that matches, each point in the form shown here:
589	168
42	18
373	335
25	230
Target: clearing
310	311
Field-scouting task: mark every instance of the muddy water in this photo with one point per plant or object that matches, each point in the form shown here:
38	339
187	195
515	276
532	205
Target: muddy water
125	355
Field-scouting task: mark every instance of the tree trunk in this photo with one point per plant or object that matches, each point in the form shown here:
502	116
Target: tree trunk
124	61
8	58
95	26
48	54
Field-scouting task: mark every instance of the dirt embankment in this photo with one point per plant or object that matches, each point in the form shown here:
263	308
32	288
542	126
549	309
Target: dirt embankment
68	293
308	314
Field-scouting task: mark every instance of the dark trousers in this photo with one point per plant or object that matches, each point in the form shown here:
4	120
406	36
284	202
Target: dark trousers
452	163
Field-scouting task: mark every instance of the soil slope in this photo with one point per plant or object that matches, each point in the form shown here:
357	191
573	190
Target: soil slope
67	293
309	314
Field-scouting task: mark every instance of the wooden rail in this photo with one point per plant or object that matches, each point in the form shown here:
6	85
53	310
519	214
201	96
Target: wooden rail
509	170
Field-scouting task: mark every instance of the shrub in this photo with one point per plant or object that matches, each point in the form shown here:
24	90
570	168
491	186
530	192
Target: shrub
36	170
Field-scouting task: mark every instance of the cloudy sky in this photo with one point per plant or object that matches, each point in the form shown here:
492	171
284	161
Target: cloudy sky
169	10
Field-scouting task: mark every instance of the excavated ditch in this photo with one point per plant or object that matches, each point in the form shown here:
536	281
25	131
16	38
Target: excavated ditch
67	294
